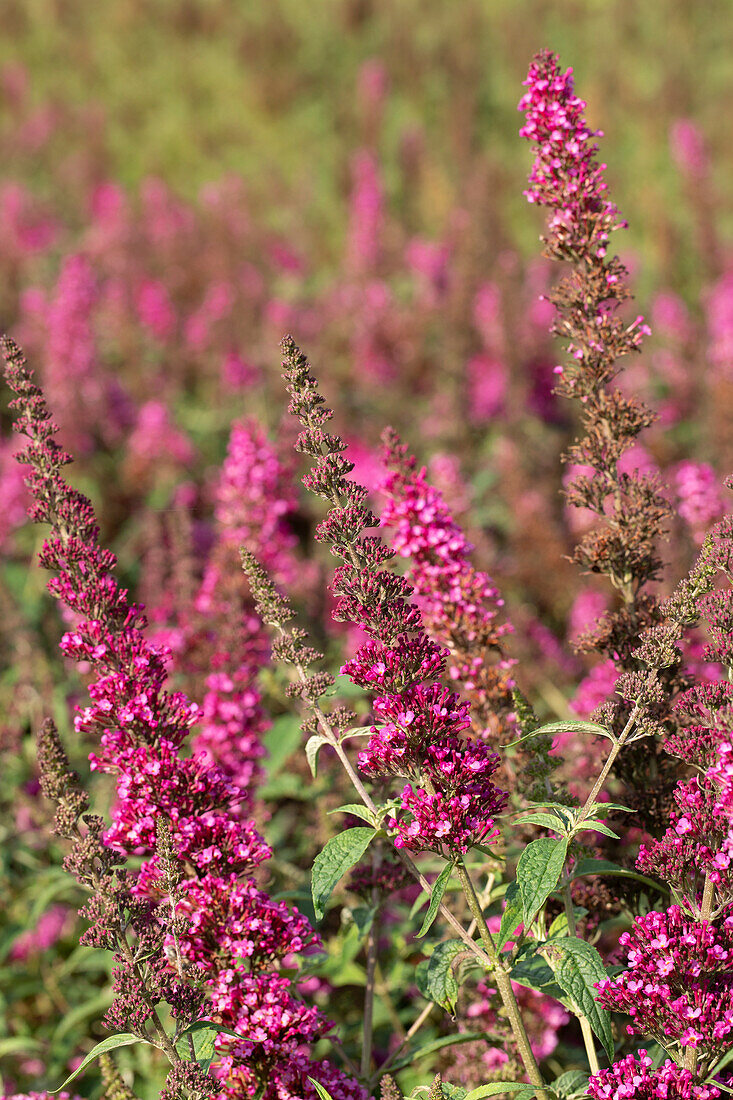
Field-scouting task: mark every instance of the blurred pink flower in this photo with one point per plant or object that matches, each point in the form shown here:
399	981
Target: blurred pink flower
47	931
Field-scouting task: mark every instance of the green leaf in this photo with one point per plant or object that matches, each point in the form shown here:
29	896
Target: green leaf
452	1092
123	1040
549	821
356	809
591	728
322	1092
598	827
538	872
363	919
564	727
312	745
512	916
609	807
497	1087
567	814
346	688
436	1044
435	978
606	867
570	1085
202	1036
436	896
577	966
531	970
559	926
332	863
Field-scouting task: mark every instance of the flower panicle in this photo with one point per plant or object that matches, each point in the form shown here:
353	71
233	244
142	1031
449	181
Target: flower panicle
195	911
451	801
460	605
628	505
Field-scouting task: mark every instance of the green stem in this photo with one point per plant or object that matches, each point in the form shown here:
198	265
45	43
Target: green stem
708	894
590	1047
503	984
371	969
615	750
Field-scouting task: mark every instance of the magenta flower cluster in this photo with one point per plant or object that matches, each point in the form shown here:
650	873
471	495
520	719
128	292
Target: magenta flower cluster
679	982
459	603
237	934
254	498
451	802
566	175
690	847
633	1078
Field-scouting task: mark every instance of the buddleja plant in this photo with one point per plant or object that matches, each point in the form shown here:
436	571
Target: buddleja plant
203	955
677	988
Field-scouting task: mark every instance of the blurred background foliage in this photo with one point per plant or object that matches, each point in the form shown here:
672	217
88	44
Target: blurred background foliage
191	89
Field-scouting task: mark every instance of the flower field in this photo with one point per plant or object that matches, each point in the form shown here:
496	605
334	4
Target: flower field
367	622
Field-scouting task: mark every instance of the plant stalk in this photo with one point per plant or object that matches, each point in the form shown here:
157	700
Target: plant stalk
708	894
504	985
371	970
590	1046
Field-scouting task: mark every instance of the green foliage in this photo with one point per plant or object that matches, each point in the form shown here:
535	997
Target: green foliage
323	1092
577	966
496	1088
538	872
570	1085
512	916
198	1042
312	747
112	1043
356	809
436	896
435	977
531	970
331	864
551	728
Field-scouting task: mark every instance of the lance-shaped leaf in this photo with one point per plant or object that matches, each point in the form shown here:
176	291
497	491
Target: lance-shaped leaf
547	821
597	827
577	966
538	872
512	916
551	728
497	1088
323	1093
125	1039
312	747
570	1085
201	1036
436	896
332	863
356	809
